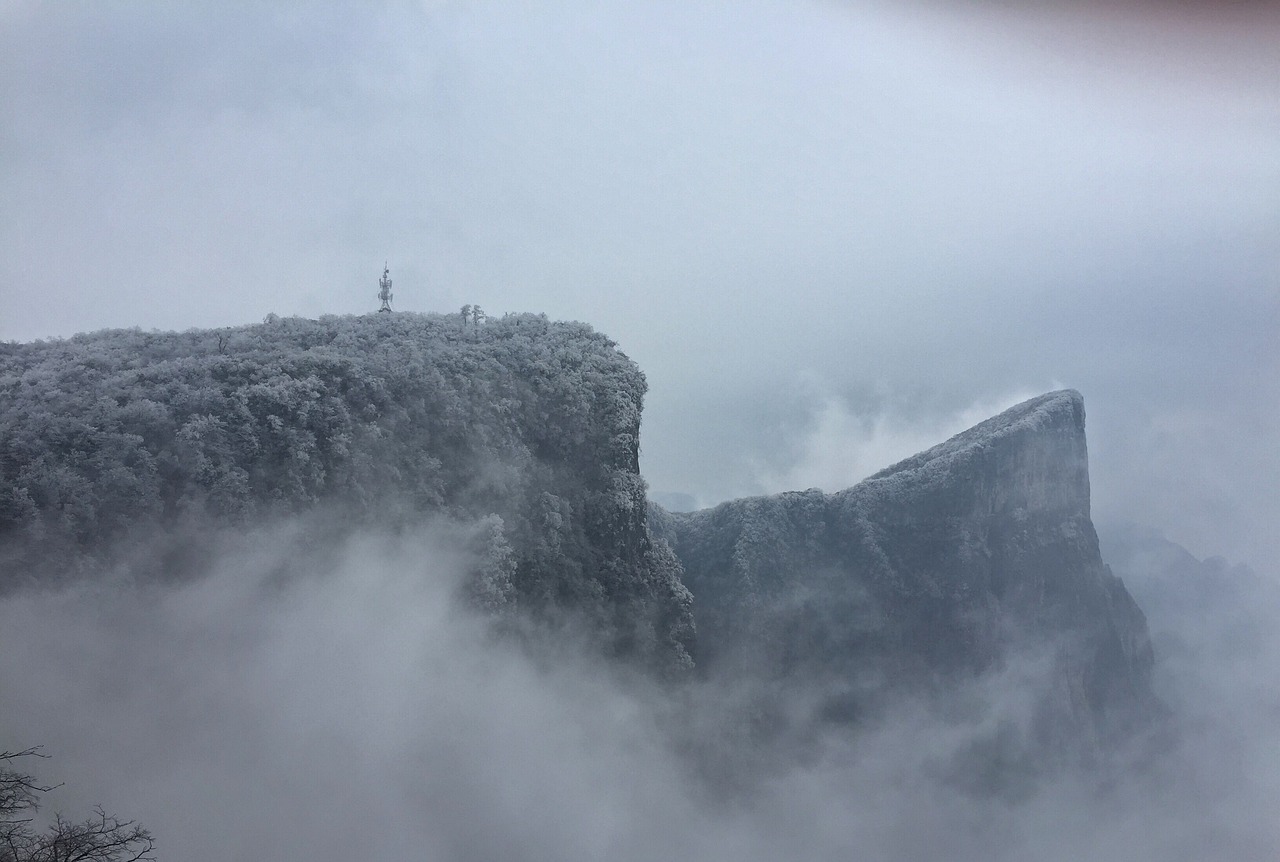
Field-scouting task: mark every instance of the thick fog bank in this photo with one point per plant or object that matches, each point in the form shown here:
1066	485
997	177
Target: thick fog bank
352	707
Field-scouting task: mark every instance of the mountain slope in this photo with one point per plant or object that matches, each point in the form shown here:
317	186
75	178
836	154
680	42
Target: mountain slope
527	428
944	566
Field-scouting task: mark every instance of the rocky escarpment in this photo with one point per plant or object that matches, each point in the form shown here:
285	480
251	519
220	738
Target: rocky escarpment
957	561
527	430
939	567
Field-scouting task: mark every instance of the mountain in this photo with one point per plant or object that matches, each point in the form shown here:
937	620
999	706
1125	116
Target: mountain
950	564
140	449
523	430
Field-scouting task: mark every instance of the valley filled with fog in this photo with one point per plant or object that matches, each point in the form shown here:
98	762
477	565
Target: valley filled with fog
354	709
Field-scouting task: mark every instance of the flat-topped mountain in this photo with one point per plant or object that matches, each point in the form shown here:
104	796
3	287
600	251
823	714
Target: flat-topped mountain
943	566
133	445
523	428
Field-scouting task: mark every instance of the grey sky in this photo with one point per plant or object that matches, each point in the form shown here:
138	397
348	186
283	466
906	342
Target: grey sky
829	232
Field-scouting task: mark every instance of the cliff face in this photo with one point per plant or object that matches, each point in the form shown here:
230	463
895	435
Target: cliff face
525	428
942	566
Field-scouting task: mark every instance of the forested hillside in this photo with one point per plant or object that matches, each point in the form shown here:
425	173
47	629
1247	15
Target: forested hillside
523	428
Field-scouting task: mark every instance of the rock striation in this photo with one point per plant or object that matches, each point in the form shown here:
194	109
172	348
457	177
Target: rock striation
970	555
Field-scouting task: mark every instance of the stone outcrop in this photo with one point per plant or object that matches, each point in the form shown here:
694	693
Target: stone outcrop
975	553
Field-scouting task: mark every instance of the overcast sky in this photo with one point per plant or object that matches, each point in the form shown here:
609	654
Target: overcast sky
831	233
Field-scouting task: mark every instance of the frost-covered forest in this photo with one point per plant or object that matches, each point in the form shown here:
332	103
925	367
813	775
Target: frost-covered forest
525	429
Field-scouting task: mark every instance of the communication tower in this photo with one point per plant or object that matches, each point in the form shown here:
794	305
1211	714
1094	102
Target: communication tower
384	292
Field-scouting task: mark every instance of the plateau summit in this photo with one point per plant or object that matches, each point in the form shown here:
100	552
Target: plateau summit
129	448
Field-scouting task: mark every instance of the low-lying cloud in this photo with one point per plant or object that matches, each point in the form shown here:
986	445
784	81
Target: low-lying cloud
844	446
280	708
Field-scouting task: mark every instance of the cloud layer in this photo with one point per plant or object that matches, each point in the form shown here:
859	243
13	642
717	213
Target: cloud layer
288	709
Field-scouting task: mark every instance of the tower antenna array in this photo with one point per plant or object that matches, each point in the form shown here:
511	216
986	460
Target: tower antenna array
384	292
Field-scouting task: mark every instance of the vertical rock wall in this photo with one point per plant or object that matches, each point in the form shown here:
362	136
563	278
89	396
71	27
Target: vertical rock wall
975	553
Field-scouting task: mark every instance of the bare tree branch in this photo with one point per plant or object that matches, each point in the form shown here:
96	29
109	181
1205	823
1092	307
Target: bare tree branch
101	838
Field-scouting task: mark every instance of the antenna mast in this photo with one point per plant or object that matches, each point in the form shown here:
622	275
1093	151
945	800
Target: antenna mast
384	293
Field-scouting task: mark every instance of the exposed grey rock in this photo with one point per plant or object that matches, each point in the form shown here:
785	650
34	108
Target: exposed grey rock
942	567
